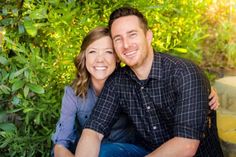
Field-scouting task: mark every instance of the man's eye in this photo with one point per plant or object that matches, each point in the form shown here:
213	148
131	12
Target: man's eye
117	40
133	35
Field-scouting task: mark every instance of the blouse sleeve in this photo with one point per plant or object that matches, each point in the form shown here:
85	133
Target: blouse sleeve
66	132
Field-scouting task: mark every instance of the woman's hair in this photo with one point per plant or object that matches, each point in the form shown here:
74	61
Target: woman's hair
82	80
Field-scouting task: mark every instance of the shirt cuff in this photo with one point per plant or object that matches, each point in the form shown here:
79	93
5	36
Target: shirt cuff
187	132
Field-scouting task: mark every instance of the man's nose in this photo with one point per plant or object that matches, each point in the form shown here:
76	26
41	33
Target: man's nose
126	43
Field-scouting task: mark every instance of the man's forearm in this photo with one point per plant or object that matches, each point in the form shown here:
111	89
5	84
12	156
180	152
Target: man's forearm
89	144
176	146
61	151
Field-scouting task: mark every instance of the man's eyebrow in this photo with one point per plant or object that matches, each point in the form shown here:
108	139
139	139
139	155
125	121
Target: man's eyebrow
116	36
129	32
132	31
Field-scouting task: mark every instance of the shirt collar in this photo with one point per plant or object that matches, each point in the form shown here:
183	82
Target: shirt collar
155	72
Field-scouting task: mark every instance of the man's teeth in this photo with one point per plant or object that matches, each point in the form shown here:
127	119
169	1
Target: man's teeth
130	53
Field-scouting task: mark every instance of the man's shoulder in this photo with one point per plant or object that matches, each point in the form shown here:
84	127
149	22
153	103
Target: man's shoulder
176	62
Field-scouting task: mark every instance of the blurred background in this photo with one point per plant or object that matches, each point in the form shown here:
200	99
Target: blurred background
40	38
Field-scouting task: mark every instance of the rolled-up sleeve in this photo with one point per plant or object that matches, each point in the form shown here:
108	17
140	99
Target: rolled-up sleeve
66	132
192	106
106	110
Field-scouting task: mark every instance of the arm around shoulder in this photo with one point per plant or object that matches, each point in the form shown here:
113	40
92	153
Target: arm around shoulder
89	144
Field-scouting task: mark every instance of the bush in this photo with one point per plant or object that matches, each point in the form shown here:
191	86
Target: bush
38	42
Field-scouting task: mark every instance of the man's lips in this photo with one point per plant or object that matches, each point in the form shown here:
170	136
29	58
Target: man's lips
130	53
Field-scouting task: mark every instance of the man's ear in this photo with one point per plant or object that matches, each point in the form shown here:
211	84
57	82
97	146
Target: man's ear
149	36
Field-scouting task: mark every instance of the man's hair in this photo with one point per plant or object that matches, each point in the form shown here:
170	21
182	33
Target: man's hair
127	11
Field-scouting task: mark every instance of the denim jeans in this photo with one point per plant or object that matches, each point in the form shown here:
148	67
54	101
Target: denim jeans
122	150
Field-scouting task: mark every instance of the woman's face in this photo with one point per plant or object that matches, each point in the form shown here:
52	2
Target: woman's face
100	59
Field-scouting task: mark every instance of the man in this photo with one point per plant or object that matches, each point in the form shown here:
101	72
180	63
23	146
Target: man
165	97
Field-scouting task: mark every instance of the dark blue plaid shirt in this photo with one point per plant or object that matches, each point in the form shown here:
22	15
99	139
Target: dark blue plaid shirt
173	101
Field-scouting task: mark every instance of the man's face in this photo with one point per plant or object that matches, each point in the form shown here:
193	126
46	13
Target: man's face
131	43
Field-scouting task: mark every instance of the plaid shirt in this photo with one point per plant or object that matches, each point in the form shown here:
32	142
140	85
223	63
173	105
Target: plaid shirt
172	102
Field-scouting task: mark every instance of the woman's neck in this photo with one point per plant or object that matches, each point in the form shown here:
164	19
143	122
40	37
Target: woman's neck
97	86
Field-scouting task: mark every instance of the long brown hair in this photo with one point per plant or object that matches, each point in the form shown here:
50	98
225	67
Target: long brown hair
82	80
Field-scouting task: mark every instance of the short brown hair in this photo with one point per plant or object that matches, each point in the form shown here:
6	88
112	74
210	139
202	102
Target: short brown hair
127	11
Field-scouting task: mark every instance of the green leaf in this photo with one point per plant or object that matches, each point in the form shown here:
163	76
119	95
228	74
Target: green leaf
37	119
30	28
5	89
40	13
21	29
15	100
35	88
17	73
17	85
26	91
3	116
7	126
3	60
182	50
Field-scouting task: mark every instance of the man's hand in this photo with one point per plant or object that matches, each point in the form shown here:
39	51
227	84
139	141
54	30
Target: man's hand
61	151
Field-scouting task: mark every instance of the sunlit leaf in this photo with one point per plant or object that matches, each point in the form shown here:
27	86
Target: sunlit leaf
40	13
30	28
182	50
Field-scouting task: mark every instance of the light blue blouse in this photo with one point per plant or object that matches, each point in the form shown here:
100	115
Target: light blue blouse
74	113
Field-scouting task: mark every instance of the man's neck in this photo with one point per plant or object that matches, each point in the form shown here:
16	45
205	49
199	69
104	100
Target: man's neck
143	71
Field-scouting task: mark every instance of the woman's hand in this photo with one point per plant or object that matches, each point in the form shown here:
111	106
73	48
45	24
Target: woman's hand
213	97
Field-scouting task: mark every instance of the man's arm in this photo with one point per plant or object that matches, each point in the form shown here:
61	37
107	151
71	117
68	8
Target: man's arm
89	144
177	146
61	151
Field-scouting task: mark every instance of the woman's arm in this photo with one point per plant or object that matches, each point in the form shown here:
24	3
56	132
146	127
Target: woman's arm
66	132
213	97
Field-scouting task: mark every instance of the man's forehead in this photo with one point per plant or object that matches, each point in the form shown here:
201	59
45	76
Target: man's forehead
125	25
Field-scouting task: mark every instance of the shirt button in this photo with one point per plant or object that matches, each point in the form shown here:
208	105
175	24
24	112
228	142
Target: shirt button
142	88
154	127
148	107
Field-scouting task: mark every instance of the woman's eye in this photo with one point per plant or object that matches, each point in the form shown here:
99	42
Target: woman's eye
110	52
91	51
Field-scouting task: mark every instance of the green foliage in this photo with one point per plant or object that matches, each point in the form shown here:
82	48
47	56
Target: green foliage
219	48
39	39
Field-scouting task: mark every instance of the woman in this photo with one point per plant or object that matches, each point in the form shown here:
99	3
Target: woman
95	63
